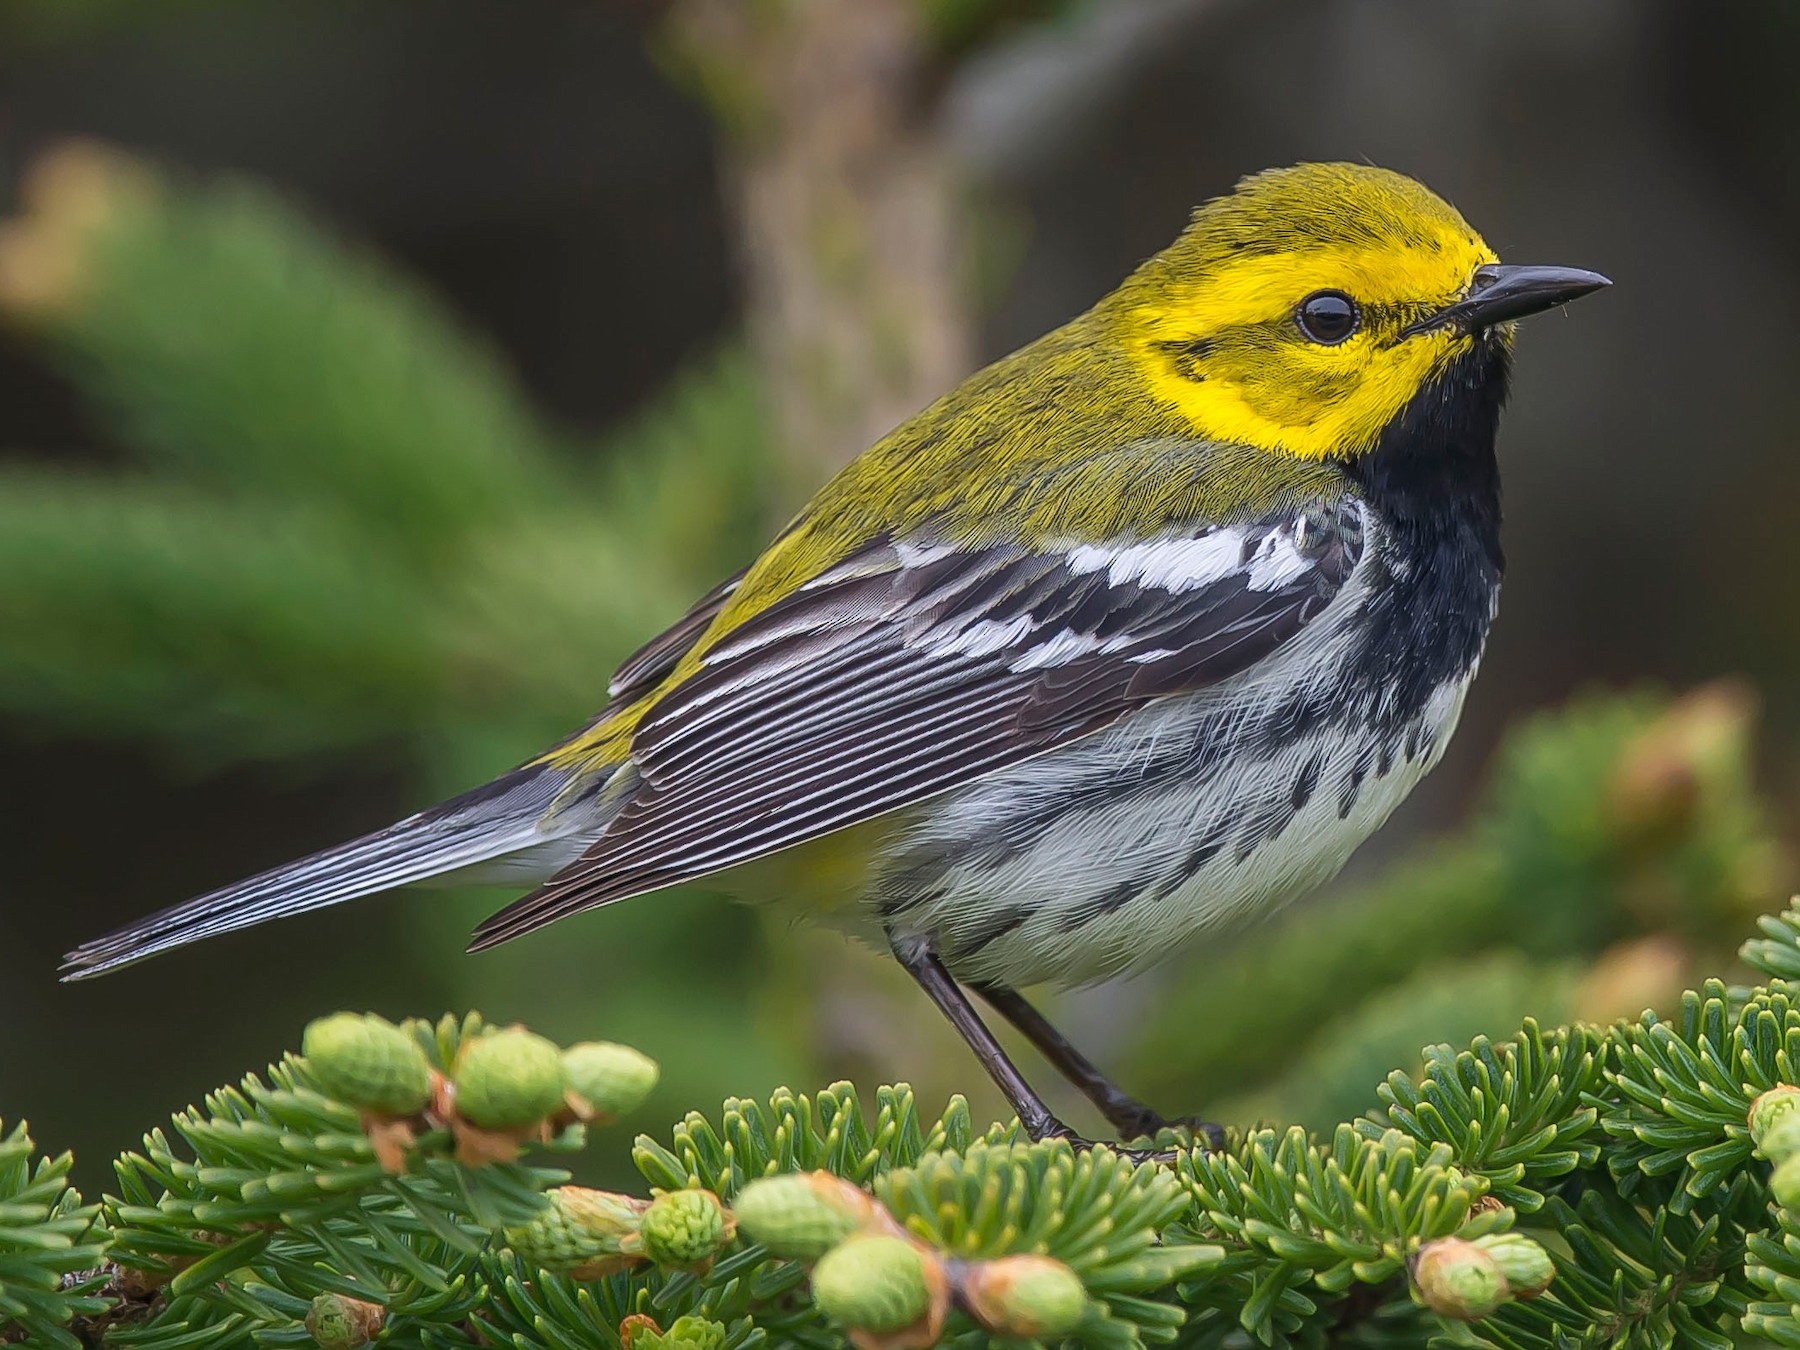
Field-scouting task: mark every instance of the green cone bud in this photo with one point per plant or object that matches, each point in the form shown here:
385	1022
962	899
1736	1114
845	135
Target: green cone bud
1774	1109
871	1282
337	1322
367	1061
1029	1298
508	1078
585	1233
605	1080
684	1230
1457	1279
801	1216
1784	1183
685	1333
1781	1141
1527	1266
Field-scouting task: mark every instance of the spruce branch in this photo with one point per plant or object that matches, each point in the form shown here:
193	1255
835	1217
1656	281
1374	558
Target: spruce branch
1514	1114
48	1242
1558	1189
1532	1194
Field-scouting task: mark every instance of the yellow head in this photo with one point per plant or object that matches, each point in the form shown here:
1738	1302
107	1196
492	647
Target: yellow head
1303	311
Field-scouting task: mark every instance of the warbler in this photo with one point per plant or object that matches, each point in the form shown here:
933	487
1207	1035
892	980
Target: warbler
1133	635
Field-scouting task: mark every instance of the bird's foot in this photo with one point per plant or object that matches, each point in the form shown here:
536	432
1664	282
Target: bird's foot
1167	1141
1081	1143
1180	1132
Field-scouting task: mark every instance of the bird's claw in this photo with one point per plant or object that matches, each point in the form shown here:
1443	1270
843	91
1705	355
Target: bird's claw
1185	1134
1181	1132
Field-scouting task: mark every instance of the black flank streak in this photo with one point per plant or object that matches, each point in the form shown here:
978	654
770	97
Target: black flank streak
1118	897
1208	847
1277	813
1304	712
898	899
995	927
1105	903
1308	781
1348	794
1432	485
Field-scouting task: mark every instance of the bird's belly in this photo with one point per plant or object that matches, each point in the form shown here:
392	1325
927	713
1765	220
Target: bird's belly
1192	815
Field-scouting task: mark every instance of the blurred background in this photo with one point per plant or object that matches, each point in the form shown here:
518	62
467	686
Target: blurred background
374	376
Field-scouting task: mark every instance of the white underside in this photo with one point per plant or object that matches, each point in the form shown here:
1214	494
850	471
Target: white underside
1094	814
1049	900
1089	849
1092	845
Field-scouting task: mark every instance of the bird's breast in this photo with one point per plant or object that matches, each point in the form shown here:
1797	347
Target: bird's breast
1201	810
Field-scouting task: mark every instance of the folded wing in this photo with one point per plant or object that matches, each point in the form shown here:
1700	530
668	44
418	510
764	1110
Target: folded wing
918	665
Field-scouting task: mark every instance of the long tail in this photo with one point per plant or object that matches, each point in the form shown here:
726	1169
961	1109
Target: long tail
495	832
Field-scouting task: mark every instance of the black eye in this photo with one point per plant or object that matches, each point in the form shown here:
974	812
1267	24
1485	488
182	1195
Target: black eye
1327	317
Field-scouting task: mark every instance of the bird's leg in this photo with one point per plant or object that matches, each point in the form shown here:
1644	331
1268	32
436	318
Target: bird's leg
1132	1118
922	963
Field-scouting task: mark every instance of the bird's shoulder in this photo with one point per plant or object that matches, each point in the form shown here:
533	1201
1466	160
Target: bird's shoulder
1059	446
915	665
1057	449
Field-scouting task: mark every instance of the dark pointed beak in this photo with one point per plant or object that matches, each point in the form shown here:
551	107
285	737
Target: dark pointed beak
1500	292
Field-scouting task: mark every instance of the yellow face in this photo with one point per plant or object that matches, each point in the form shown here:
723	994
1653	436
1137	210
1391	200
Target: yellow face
1279	318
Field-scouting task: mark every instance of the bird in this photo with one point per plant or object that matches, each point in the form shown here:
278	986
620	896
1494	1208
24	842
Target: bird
1128	639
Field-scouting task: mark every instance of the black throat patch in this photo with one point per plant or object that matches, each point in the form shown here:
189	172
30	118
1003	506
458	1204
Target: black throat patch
1434	483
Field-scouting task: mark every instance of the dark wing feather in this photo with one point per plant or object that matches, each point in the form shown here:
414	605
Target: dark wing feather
909	670
652	663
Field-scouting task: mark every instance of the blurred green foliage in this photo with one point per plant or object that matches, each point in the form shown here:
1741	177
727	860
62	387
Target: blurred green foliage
340	524
338	531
